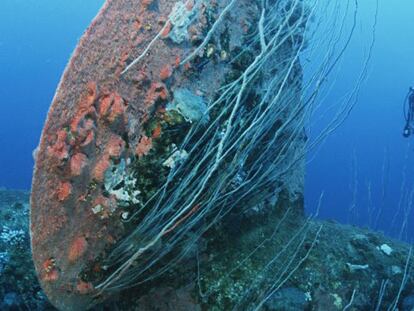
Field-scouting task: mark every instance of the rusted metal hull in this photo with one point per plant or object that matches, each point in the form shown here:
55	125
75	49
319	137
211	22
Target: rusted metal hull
95	120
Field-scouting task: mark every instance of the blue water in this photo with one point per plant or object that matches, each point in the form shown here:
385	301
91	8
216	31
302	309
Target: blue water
372	134
38	36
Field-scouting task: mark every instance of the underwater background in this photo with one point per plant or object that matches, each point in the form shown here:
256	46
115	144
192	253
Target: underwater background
364	169
361	174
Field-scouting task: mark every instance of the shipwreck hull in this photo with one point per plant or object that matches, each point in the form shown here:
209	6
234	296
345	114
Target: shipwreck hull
126	102
96	120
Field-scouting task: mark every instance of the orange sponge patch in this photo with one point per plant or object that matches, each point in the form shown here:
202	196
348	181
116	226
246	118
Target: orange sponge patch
50	272
158	91
65	189
116	146
144	146
51	276
60	149
77	163
111	107
77	249
166	72
84	288
91	93
100	169
166	30
156	133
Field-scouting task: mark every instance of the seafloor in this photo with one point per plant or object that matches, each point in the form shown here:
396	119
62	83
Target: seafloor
346	268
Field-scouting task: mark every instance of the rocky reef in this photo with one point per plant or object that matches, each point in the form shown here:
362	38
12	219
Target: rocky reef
19	287
235	266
